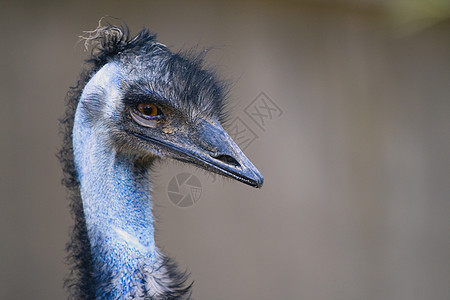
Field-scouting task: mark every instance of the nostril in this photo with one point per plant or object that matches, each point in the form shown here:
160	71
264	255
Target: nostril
230	160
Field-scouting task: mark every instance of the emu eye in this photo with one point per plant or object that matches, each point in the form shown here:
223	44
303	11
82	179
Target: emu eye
148	110
146	115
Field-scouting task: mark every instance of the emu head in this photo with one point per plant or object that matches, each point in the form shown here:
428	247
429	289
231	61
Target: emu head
148	102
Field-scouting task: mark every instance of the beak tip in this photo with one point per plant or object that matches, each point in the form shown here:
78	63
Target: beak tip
259	180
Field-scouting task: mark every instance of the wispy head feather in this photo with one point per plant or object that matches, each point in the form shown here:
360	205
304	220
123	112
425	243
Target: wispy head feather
106	41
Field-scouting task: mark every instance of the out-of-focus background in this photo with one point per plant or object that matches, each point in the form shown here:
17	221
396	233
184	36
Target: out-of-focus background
355	151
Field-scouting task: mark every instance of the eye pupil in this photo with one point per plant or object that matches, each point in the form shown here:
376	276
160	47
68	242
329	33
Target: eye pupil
149	110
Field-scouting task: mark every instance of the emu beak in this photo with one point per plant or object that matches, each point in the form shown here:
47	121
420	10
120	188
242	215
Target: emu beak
207	145
211	147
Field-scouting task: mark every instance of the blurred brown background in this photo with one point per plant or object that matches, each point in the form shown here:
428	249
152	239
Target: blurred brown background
356	197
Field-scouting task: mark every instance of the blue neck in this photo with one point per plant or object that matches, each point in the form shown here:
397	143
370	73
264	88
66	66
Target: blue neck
118	213
115	190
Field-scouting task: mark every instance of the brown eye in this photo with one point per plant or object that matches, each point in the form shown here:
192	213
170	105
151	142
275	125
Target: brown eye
148	110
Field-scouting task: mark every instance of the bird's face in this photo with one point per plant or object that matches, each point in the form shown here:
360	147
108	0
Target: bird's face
166	112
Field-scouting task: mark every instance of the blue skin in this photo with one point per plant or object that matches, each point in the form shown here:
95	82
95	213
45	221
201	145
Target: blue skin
116	197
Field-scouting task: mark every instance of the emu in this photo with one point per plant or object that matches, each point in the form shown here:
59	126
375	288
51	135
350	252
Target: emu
136	102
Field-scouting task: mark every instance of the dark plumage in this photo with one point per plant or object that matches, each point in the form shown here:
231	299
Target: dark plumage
190	101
